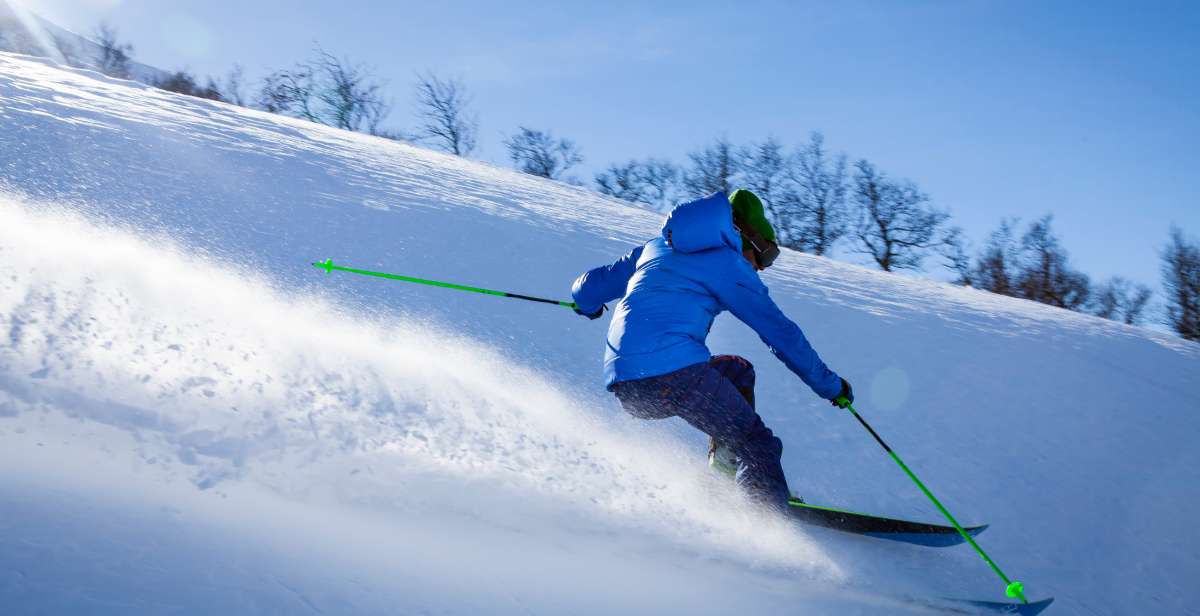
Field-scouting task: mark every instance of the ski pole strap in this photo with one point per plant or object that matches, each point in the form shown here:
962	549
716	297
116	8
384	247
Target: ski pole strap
328	266
1012	589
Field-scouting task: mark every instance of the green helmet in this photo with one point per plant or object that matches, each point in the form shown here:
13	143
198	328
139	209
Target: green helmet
748	211
757	233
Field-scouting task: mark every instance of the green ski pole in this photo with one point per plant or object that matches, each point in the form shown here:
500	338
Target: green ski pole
328	266
1013	589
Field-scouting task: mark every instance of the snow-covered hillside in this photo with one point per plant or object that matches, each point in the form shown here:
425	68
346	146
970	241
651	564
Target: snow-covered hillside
24	32
193	419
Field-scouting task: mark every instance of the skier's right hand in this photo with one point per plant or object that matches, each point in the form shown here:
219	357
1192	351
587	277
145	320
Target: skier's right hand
845	397
595	315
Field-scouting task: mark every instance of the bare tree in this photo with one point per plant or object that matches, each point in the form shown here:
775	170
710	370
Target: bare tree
327	90
538	153
653	182
113	58
713	169
622	182
1181	283
212	91
955	249
1120	300
996	268
661	182
183	82
1045	276
234	87
819	206
896	227
763	169
445	120
290	92
352	100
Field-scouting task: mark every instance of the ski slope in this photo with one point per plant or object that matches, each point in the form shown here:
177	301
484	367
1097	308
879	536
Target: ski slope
195	420
24	32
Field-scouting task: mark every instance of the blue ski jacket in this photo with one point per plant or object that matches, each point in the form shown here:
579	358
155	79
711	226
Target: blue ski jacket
672	287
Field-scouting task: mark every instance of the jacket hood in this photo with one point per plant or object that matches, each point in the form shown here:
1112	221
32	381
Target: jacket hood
701	225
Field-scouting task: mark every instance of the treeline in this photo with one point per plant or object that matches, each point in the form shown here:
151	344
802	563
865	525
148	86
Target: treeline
817	200
335	91
323	88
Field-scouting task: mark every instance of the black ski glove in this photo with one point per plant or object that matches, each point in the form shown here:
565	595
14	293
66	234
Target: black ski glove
847	394
595	315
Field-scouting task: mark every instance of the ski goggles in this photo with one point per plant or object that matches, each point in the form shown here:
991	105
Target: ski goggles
765	251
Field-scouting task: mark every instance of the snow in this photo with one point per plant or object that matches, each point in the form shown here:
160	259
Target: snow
193	419
24	32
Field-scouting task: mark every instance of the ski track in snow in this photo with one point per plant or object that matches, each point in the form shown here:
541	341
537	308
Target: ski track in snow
176	379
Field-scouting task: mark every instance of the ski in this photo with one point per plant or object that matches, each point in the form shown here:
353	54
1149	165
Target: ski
919	533
1000	607
946	605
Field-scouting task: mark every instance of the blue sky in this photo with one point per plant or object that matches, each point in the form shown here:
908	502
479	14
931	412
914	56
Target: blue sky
1087	110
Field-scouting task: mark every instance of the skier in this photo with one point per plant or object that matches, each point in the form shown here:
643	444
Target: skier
670	290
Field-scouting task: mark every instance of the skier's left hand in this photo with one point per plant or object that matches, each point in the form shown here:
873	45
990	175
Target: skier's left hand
595	315
845	397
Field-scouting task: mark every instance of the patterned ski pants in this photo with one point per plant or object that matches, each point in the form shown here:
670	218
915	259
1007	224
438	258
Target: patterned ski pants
717	398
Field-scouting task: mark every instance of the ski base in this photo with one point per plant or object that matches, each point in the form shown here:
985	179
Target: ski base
1001	607
918	533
